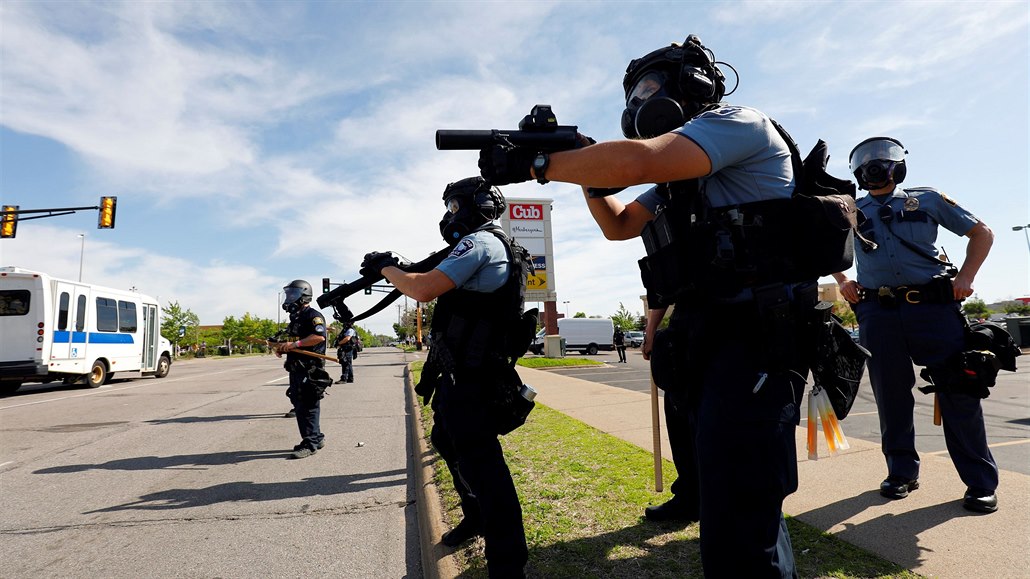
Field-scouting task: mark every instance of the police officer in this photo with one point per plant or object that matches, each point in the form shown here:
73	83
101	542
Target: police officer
307	379
478	288
619	339
907	305
722	170
346	344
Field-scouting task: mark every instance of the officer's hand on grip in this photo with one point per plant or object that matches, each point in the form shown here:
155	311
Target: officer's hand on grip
504	164
374	263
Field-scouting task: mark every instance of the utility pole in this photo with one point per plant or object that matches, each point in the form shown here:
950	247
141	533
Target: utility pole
82	252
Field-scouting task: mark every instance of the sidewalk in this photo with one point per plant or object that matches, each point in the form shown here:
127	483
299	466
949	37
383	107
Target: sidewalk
929	532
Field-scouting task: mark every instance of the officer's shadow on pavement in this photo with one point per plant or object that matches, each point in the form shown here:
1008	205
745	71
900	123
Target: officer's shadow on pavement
247	491
179	462
204	419
897	534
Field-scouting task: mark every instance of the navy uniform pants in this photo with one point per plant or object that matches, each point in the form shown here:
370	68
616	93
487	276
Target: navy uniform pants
924	334
682	430
464	436
307	408
745	444
346	365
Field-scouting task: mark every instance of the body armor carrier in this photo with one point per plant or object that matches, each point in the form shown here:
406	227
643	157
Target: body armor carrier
696	250
473	329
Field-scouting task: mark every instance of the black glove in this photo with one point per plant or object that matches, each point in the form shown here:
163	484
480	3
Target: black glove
374	263
504	164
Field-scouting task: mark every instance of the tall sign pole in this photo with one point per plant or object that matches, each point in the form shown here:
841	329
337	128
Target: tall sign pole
528	221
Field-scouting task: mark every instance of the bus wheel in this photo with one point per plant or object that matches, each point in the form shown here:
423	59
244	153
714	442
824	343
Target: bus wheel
163	365
9	387
97	376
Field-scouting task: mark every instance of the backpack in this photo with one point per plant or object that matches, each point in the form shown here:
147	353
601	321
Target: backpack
823	219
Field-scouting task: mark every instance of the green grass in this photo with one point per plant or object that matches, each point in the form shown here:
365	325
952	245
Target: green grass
556	362
583	493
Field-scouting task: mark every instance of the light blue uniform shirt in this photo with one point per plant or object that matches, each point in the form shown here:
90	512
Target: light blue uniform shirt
750	161
916	215
477	263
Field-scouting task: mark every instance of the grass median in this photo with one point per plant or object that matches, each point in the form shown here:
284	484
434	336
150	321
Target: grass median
583	494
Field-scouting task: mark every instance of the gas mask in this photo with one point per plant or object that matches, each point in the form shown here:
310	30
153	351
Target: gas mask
461	218
877	161
650	110
296	295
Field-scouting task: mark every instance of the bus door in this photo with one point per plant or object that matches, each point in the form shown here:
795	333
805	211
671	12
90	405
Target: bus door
150	335
69	323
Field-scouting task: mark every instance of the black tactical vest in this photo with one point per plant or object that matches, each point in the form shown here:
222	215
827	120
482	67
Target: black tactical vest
471	329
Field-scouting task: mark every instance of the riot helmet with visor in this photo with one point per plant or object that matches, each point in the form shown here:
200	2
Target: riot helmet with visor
877	161
296	294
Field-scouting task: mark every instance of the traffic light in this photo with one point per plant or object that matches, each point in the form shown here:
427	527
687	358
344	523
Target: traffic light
325	285
107	208
9	225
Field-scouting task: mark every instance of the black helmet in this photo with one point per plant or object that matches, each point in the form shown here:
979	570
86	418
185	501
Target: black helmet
298	292
668	86
876	161
470	203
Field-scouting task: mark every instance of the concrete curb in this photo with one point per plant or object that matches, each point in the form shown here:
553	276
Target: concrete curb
438	562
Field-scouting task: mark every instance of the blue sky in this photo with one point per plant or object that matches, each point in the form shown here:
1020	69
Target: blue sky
252	143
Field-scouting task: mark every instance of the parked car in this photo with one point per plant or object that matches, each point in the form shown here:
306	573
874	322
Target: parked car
634	338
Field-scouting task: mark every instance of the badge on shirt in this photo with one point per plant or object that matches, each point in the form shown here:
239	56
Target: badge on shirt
464	246
949	200
911	204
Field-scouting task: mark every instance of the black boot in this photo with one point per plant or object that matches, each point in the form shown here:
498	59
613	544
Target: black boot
465	530
674	509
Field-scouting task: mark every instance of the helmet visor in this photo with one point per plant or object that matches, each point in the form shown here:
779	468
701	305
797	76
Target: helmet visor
292	294
645	88
876	150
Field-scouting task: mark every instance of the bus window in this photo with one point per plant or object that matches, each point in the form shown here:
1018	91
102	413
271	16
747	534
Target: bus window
62	311
14	302
80	314
107	315
126	317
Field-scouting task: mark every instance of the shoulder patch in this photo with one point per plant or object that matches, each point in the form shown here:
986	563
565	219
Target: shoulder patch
317	320
949	200
464	246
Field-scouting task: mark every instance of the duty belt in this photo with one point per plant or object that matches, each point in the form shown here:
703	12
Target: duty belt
913	294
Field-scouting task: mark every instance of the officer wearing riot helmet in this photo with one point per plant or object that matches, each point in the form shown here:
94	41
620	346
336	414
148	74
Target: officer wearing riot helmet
479	290
346	344
906	298
722	170
307	379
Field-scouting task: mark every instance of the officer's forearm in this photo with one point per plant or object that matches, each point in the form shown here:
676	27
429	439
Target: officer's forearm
423	287
981	238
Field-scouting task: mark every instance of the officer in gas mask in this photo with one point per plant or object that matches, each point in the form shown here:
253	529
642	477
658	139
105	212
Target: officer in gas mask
906	298
479	290
307	378
723	172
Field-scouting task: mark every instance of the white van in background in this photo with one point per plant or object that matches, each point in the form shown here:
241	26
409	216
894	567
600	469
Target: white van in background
588	335
54	329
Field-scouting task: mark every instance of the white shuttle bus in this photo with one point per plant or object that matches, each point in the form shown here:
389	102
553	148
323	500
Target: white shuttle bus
54	329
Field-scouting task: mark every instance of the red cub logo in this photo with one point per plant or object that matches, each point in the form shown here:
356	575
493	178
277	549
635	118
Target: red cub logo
524	211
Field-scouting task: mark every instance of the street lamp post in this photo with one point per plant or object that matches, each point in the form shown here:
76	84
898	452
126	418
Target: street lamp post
1025	234
82	253
566	302
278	310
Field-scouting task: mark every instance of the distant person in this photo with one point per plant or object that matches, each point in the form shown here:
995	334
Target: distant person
306	389
479	289
346	346
619	339
906	299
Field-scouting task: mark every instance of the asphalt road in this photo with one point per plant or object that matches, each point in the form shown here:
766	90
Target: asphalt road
188	476
1006	411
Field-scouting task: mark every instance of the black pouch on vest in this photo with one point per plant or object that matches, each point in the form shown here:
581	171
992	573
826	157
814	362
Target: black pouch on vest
839	364
509	409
